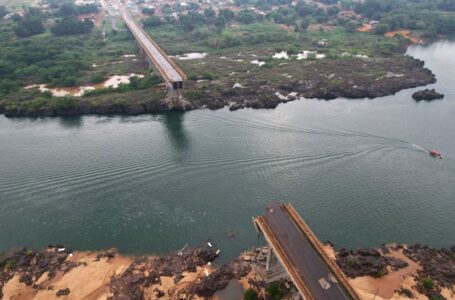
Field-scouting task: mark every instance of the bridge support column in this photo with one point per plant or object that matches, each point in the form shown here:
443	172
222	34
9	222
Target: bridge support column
275	271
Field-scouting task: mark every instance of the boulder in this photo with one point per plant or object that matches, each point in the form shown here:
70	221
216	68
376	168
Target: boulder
62	292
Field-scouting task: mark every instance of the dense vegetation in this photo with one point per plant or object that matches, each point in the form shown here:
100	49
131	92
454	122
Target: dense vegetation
58	47
432	16
29	54
71	25
30	23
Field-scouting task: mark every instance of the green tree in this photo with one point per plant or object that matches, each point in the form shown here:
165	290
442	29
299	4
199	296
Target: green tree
67	9
430	33
3	11
209	13
193	6
350	26
273	291
246	16
305	23
30	24
381	29
428	283
153	21
97	78
71	25
333	10
148	11
226	15
250	294
87	9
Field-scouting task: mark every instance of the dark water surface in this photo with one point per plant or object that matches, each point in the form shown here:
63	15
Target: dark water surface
156	183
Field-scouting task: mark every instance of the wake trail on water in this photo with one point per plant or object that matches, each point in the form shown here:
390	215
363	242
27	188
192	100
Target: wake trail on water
235	122
421	148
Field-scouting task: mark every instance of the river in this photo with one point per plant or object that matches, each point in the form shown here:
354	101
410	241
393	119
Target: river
154	183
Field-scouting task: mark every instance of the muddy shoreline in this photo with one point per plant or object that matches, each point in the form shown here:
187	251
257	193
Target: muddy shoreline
392	271
352	78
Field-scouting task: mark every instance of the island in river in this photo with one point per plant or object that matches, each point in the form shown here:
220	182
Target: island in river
256	62
352	77
391	272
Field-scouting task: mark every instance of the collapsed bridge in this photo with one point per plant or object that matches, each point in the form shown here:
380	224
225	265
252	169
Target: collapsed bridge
296	253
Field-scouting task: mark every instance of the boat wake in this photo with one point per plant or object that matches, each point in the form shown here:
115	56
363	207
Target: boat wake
283	129
421	148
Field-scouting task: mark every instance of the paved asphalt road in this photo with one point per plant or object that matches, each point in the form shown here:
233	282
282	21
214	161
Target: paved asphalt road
165	65
302	256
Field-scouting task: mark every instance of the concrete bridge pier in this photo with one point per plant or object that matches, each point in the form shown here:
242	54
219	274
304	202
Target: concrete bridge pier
275	270
173	93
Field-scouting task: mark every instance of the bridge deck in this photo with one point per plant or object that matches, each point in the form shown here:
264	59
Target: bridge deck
167	68
296	248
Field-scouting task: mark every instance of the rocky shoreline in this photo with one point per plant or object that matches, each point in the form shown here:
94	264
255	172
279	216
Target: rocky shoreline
434	271
392	271
351	78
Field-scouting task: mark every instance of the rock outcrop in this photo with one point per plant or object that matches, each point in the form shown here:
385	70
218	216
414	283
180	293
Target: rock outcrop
367	261
427	95
144	271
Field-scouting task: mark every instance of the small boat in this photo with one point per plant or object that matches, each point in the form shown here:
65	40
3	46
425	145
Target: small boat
435	154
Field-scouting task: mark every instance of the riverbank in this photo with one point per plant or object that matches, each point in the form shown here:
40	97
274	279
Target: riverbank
391	272
350	78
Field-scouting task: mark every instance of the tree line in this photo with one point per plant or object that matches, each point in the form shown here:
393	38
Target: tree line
433	17
65	17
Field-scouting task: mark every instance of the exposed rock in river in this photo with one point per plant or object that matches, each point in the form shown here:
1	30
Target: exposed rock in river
427	95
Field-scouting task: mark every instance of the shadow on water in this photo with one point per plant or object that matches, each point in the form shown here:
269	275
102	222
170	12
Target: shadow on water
175	131
71	122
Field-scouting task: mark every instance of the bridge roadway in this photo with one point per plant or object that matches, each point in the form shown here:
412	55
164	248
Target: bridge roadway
294	245
170	72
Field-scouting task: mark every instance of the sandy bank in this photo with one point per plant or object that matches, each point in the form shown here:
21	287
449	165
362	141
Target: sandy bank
391	272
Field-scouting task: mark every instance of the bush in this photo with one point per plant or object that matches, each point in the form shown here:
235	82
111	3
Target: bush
273	291
148	11
246	16
350	26
428	283
10	265
207	76
381	29
153	21
64	103
250	294
380	273
429	33
37	103
97	78
387	48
